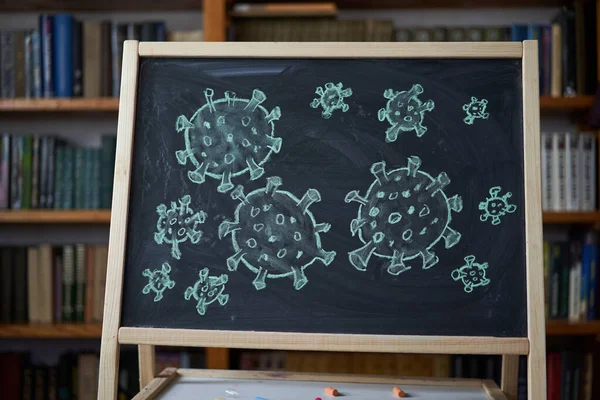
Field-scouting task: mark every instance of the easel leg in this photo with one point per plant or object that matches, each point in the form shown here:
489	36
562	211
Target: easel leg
147	364
510	376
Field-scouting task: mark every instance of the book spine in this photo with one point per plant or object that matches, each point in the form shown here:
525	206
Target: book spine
80	178
80	274
546	171
5	152
63	55
68	280
564	282
43	172
58	274
6	285
106	73
77	52
574	200
586	262
15	169
36	64
116	62
7	43
588	201
547	264
160	30
27	382
19	66
574	290
556	167
555	280
96	179
557	73
592	296
33	279
58	172
27	172
50	174
68	182
47	63
28	65
35	169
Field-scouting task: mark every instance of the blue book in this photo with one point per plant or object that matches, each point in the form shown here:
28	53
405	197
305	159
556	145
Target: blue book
586	263
592	299
159	27
518	33
63	55
47	75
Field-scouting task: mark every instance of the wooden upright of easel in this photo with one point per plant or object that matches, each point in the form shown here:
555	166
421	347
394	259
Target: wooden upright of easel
114	334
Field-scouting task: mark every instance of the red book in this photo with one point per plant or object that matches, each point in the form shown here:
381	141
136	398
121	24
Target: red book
10	379
553	376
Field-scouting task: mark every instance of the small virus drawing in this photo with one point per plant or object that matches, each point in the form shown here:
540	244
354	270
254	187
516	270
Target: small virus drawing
405	112
228	137
274	234
404	213
178	224
158	281
331	98
475	109
471	274
207	290
496	206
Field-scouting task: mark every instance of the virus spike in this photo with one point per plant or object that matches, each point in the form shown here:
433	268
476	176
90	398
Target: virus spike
226	184
511	208
226	228
274	115
201	307
378	169
317	102
396	266
259	281
427	106
429	259
319	91
416	89
175	252
346	92
203	274
274	143
183	123
188	293
258	96
451	237
300	278
439	183
326	256
199	174
182	156
185	201
208	95
194	236
414	163
323	227
455	203
234	260
457	274
329	85
223	299
495	220
420	129
389	94
230	97
311	196
221	280
345	107
256	171
391	133
469	260
354	196
382	114
359	258
147	273
495	190
273	183
161	209
356	224
238	194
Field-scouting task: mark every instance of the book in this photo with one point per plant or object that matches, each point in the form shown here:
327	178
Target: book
26	171
58	284
19	65
15	172
572	174
7	66
99	284
547	164
46	44
557	65
588	171
92	59
88	315
5	152
33	280
555	275
21	307
575	271
35	170
558	171
63	55
6	285
45	286
80	275
36	64
68	284
77	54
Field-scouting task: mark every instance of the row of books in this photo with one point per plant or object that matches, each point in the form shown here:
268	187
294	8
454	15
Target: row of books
46	284
571	278
75	375
65	57
570	375
569	171
48	172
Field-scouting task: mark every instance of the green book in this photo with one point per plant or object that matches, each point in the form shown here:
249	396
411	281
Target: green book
59	160
68	181
96	179
80	275
68	283
27	172
80	177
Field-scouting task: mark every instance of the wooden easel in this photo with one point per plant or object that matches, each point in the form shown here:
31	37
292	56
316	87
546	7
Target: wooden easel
113	334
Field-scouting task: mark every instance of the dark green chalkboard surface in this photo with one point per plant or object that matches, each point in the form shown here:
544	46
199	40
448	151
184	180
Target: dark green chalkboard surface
347	196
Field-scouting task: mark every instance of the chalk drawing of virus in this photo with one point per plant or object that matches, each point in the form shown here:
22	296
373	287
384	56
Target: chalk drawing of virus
228	137
403	215
405	112
496	206
274	234
471	274
475	109
207	290
158	281
177	224
331	98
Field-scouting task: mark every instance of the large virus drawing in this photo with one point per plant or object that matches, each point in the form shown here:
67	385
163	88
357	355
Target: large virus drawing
475	109
496	206
331	98
471	274
177	224
405	112
274	234
228	137
404	213
158	281
207	290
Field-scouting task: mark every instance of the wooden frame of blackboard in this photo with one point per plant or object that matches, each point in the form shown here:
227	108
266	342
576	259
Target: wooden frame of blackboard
170	375
533	346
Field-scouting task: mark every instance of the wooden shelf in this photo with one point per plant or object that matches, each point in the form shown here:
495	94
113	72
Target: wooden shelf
565	328
51	331
571	217
566	103
55	217
108	104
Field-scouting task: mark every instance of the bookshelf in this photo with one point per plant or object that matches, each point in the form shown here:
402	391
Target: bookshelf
54	105
566	328
51	331
55	217
571	217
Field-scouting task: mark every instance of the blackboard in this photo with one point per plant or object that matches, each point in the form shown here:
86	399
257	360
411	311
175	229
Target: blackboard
447	194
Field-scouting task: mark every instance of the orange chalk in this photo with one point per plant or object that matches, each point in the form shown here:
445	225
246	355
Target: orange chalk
398	392
332	391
